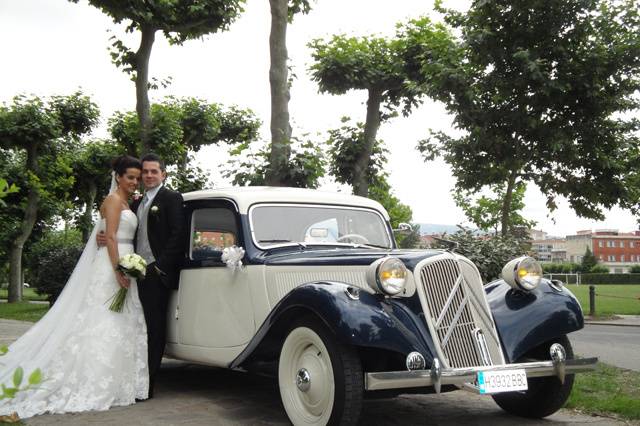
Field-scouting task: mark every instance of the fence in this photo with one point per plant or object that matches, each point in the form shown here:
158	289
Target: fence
577	278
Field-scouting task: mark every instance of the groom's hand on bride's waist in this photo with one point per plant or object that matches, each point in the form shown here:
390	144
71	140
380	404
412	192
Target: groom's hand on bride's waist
101	239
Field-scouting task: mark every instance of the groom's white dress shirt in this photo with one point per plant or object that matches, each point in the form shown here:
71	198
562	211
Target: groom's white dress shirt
142	242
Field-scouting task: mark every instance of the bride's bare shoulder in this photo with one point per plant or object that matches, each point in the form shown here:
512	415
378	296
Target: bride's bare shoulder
111	204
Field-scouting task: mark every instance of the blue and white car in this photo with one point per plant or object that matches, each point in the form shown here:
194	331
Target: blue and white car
309	286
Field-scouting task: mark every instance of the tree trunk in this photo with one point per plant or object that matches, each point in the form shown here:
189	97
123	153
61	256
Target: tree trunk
278	79
87	216
148	35
506	204
29	220
371	126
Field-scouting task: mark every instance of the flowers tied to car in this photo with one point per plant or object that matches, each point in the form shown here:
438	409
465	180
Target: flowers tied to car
134	266
232	256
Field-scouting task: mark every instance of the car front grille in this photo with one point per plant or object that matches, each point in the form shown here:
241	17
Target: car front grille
457	312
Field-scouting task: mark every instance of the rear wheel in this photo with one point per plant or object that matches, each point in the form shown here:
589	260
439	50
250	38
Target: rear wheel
320	380
545	395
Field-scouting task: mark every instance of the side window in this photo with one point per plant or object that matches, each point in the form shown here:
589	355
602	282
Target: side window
212	229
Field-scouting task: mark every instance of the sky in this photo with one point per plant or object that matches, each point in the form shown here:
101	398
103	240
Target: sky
54	47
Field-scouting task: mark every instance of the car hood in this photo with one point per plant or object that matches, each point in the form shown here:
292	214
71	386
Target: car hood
340	256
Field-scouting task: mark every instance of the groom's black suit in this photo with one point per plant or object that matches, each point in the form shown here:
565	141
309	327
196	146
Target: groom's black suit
165	231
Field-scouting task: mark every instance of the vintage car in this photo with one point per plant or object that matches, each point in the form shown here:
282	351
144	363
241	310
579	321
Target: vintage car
310	287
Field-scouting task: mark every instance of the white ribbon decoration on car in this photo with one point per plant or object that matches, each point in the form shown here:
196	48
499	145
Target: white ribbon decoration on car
232	257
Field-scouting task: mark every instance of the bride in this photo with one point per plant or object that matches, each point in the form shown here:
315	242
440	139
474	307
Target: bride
91	358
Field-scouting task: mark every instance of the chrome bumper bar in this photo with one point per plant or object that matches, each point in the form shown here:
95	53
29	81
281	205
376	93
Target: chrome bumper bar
459	376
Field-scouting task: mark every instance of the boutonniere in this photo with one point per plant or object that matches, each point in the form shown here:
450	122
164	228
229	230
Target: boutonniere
154	209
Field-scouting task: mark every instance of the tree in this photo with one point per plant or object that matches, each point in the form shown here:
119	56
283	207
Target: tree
588	261
486	212
369	63
376	65
282	13
38	128
181	127
91	164
306	165
179	21
345	145
540	90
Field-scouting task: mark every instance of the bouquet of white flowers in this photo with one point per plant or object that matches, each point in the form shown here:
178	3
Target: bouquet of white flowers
134	266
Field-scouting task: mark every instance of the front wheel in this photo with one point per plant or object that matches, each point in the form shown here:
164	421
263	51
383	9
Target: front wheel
320	380
545	395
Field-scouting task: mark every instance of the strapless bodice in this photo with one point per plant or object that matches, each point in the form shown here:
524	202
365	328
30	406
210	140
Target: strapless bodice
126	228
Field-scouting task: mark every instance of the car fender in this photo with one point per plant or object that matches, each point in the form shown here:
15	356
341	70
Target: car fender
371	320
527	319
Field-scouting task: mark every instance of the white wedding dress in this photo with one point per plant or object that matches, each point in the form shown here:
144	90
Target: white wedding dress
91	357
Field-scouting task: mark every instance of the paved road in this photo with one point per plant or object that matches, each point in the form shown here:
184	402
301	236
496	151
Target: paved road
196	395
616	345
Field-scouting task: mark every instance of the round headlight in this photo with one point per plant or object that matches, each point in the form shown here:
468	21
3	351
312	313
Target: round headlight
388	275
523	273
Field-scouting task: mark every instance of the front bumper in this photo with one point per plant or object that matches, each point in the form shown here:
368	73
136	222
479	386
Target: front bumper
437	376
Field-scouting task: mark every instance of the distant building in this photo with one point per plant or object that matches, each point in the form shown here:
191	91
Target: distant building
614	250
552	249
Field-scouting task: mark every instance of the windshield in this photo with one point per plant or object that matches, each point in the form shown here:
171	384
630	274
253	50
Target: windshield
299	224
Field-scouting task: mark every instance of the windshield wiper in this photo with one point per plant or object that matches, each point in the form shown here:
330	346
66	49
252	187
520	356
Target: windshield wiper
298	243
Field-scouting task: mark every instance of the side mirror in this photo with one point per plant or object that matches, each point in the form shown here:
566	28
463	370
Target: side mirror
404	228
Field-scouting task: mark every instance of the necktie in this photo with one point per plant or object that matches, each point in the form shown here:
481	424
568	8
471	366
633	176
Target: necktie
145	198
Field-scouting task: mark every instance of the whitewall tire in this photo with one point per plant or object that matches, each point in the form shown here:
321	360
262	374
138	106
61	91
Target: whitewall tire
320	380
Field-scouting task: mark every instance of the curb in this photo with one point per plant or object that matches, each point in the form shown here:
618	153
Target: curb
611	323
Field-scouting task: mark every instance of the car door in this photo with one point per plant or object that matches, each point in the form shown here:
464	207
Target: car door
214	301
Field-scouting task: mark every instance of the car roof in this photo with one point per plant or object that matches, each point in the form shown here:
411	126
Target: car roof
246	196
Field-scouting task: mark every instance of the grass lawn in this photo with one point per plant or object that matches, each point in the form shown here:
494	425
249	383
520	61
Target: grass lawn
607	390
23	311
626	300
27	294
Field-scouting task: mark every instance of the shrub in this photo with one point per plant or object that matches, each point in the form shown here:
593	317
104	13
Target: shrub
489	253
599	269
610	279
51	261
635	269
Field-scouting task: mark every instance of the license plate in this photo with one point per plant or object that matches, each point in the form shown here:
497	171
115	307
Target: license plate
502	381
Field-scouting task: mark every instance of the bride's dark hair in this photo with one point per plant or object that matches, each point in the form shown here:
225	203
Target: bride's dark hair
124	162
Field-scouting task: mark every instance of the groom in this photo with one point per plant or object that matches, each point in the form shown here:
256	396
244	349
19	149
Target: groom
159	240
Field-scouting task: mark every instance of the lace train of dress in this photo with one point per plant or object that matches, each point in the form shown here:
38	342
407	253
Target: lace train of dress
91	358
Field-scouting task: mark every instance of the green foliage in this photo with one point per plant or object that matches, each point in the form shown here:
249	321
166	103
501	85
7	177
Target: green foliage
6	189
486	212
560	268
10	391
589	262
410	240
635	269
305	168
488	253
345	145
52	260
182	126
178	20
540	91
351	63
598	269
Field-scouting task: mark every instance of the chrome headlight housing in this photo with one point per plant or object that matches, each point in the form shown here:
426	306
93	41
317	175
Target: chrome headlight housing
522	273
387	275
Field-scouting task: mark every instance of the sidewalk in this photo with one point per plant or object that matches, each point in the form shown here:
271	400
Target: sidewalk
621	320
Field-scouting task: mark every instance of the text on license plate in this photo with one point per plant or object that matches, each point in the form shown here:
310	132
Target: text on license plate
502	381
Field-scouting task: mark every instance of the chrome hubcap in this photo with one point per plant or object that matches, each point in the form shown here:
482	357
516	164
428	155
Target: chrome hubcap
303	380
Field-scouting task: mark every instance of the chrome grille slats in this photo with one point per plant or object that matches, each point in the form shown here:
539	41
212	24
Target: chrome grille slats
455	312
